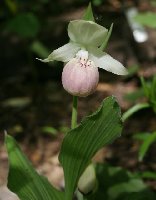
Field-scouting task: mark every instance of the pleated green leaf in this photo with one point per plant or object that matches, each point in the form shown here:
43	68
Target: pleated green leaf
24	180
81	143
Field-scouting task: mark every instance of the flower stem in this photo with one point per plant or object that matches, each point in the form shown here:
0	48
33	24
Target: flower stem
74	112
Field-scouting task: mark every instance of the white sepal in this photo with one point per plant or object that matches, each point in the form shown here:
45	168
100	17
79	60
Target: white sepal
105	61
86	33
64	53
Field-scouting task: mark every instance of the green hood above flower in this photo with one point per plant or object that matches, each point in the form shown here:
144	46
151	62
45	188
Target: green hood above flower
86	33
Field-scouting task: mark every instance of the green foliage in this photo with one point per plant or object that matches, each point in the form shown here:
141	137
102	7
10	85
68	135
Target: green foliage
147	141
115	183
134	109
97	2
146	145
149	88
148	175
78	148
141	136
12	5
50	130
53	131
18	102
81	143
134	96
146	19
143	195
153	3
25	25
39	49
132	70
24	180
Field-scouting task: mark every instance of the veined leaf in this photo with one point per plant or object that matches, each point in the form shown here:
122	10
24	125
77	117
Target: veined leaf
81	143
24	180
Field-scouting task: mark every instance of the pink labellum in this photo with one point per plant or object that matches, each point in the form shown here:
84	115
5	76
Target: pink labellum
80	78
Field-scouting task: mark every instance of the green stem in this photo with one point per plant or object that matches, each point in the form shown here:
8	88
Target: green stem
74	112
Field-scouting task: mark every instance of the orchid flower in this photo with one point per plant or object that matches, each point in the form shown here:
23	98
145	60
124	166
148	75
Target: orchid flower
83	56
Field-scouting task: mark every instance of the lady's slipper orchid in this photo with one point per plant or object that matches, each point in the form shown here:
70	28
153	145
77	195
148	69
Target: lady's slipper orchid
83	56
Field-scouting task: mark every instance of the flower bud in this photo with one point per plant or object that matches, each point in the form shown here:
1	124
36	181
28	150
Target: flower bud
87	182
80	77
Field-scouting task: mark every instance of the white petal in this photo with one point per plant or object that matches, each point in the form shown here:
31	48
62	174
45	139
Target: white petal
86	33
64	53
105	61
